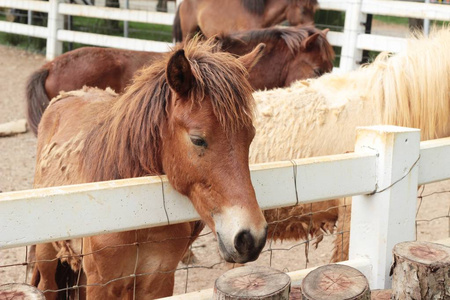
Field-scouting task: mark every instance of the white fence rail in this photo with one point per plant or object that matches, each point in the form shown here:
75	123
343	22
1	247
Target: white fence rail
387	166
55	33
353	40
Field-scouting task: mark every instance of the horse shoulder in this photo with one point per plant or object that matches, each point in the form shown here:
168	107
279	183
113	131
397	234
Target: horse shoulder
62	131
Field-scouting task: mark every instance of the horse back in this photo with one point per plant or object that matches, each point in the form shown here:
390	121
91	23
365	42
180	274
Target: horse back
95	67
62	132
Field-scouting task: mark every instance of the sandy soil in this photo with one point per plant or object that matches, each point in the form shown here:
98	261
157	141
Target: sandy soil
17	158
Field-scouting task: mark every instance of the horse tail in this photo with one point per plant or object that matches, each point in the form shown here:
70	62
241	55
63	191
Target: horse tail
66	279
37	99
176	29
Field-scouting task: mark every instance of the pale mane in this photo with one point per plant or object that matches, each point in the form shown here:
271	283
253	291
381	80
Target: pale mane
319	116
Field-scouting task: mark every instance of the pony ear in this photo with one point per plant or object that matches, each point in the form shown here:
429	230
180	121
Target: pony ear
325	31
179	73
309	41
249	60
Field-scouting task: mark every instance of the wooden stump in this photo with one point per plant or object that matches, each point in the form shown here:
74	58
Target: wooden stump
20	291
381	294
335	282
421	270
296	293
252	282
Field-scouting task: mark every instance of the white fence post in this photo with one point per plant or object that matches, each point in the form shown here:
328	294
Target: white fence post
386	217
353	26
55	22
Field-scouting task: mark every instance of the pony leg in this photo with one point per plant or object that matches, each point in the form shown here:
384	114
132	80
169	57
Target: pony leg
45	270
100	272
342	240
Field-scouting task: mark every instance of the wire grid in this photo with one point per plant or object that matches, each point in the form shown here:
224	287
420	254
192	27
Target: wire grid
432	223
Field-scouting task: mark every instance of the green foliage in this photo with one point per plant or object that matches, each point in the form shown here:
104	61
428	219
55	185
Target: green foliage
155	32
334	20
391	20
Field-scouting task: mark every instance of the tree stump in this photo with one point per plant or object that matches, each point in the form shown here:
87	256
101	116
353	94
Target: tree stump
381	294
421	270
20	291
296	293
252	282
335	282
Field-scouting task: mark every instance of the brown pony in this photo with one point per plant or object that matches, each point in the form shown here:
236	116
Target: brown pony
189	116
291	54
212	17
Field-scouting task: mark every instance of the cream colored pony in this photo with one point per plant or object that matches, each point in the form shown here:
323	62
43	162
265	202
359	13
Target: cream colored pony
319	117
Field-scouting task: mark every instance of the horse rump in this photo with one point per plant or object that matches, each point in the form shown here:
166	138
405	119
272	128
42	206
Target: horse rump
37	99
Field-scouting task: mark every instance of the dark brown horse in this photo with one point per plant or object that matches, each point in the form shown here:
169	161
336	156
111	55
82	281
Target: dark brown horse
189	116
212	17
292	53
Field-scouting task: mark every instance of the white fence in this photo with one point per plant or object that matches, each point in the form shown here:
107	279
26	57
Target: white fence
383	174
55	33
352	39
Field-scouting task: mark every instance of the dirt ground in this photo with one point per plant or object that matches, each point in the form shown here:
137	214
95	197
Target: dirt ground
17	158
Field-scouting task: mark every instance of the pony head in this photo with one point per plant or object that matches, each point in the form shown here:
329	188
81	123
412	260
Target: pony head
206	144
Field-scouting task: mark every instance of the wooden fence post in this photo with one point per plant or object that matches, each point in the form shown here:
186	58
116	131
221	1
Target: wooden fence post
55	22
353	26
386	217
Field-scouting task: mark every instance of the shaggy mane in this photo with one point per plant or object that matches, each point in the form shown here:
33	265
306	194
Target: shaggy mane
408	89
132	129
411	88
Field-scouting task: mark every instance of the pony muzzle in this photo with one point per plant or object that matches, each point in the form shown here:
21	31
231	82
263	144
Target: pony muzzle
239	240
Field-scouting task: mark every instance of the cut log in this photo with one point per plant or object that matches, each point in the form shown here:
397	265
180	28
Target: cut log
252	282
381	294
14	127
421	270
20	291
335	282
296	293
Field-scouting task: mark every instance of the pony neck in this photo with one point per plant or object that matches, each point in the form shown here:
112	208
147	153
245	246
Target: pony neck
128	143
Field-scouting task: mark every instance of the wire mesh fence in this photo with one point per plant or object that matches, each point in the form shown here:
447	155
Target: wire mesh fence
203	264
433	223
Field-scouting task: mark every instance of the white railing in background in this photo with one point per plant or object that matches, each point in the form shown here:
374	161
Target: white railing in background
383	174
352	40
55	33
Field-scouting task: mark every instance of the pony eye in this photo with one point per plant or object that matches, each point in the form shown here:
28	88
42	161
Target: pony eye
198	141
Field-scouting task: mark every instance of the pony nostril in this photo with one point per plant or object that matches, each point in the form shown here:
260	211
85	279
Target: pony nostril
244	242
